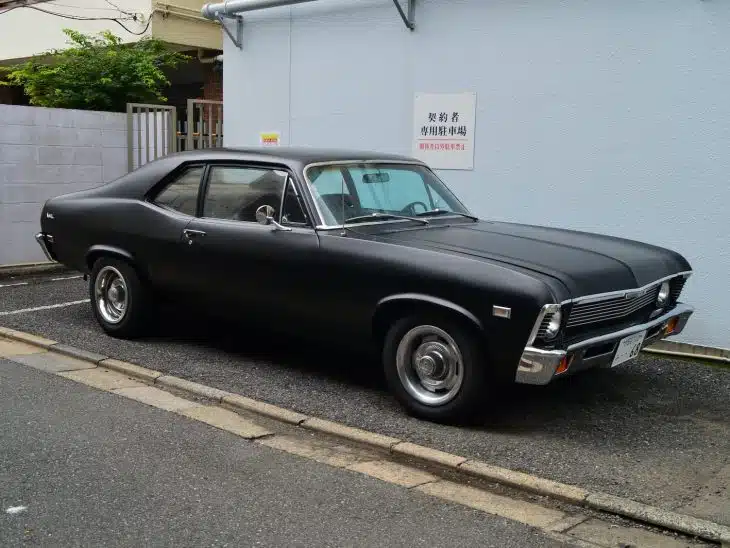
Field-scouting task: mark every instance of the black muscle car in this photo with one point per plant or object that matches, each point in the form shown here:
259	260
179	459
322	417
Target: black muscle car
372	250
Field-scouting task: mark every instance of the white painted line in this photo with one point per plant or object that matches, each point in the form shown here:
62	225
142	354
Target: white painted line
16	509
47	307
14	285
67	278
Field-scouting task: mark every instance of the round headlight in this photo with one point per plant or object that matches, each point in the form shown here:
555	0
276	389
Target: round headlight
553	326
663	296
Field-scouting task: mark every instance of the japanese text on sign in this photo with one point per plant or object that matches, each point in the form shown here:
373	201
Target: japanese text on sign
444	129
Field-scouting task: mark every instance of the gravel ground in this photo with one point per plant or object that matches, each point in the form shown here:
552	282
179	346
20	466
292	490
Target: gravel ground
657	430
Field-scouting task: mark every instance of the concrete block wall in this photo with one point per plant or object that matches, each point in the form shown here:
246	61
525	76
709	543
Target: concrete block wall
47	152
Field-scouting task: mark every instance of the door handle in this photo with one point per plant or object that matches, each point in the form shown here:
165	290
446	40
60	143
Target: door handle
192	234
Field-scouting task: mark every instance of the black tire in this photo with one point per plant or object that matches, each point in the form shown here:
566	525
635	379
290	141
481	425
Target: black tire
470	400
134	319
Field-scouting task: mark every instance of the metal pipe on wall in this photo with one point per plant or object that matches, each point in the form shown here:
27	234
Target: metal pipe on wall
232	7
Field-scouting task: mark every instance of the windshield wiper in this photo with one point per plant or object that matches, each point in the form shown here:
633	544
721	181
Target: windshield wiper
447	212
383	216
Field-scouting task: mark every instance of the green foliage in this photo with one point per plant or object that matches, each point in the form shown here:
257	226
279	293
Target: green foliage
97	73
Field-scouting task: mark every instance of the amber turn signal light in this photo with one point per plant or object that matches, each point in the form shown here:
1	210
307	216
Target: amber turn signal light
671	325
564	364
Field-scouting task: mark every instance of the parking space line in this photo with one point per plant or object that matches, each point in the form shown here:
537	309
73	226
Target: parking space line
46	307
66	278
14	284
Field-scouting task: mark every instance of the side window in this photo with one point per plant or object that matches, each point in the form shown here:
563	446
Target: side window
181	194
292	211
235	193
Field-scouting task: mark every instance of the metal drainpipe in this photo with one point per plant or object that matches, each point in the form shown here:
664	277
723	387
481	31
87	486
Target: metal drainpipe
231	7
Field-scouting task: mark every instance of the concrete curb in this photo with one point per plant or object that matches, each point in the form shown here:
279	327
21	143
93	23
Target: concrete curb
130	369
688	355
526	482
690	351
31	268
595	500
236	401
349	433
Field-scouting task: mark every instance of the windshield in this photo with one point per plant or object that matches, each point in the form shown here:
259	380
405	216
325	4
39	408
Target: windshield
347	191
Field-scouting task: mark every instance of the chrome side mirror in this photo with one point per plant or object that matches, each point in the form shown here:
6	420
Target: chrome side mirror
265	216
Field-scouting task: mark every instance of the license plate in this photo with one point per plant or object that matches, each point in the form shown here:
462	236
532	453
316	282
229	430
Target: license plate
628	348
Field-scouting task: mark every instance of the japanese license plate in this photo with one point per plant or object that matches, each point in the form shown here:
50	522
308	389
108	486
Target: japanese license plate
628	348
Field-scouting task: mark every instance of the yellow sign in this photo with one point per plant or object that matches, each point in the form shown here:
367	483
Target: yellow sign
270	138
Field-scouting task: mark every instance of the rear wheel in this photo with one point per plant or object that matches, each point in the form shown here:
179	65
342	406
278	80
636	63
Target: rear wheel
435	366
119	299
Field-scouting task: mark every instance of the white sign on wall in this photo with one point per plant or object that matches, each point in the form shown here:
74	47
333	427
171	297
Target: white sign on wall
443	125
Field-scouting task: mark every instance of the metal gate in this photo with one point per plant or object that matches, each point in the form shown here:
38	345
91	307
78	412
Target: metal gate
204	124
150	133
154	131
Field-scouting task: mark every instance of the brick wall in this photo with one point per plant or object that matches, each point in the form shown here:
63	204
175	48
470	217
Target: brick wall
45	153
212	83
213	91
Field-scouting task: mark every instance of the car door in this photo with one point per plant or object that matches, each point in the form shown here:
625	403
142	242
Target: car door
249	269
155	236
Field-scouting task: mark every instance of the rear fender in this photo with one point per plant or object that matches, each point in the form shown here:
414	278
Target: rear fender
97	251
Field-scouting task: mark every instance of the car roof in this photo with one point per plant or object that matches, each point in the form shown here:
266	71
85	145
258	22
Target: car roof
138	181
290	154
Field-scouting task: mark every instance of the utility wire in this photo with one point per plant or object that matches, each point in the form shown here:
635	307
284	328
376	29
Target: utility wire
55	4
118	8
117	20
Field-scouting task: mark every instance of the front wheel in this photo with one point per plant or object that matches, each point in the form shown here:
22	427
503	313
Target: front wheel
435	367
119	299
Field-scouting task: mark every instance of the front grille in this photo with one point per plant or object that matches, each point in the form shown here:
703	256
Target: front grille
676	286
613	308
542	330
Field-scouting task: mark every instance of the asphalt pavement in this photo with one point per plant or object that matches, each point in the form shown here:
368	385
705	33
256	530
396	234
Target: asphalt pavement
656	430
90	468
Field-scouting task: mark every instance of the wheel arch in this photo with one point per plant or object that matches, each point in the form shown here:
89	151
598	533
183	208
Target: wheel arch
96	251
393	307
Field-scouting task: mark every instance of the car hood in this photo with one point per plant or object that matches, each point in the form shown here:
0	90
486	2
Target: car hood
585	263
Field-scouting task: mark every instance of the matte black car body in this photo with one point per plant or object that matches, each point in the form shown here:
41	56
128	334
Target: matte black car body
502	279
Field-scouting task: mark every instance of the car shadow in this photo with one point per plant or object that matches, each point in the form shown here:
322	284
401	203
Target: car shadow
583	400
249	342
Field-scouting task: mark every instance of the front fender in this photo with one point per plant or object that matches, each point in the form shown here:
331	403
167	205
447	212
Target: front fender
429	299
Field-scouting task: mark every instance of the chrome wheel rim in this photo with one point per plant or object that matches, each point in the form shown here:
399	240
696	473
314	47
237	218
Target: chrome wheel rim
110	295
430	365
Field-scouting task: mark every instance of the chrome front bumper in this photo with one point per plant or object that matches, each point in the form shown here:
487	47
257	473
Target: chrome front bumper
541	366
43	241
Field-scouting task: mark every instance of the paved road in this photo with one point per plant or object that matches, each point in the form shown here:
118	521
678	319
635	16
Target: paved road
80	467
657	430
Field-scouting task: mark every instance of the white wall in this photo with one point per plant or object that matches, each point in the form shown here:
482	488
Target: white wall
25	32
47	152
602	116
